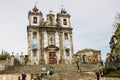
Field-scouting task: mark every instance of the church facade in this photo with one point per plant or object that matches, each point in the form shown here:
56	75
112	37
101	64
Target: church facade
50	41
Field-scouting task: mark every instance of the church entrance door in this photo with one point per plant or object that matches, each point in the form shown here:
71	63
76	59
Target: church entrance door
52	58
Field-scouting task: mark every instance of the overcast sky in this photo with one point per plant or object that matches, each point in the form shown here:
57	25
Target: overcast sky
92	22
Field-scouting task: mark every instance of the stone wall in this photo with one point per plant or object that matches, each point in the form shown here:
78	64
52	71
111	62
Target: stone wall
13	77
4	64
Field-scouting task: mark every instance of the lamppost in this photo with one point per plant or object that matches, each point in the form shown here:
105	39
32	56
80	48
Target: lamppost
26	61
78	63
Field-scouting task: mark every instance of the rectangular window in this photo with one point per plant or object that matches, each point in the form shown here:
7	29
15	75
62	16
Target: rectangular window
66	35
34	19
34	53
64	21
34	35
67	52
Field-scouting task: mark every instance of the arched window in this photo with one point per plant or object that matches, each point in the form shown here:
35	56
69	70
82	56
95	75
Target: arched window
67	52
34	19
51	18
66	35
34	35
64	21
34	53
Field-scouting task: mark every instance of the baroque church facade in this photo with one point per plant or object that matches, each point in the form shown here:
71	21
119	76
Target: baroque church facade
50	41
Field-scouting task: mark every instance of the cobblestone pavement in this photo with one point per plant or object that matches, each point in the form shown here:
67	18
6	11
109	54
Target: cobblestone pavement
103	78
61	76
109	78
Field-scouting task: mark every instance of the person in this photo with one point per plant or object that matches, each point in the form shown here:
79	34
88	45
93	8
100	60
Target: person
23	76
51	72
38	77
102	73
97	75
19	78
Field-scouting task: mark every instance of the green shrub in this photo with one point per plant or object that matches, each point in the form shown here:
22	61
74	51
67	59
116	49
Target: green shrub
4	56
112	72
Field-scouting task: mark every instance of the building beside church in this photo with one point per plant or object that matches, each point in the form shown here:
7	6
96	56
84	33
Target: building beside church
50	41
89	56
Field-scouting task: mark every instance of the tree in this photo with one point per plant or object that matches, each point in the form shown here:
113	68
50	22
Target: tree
117	21
115	43
4	56
117	35
115	39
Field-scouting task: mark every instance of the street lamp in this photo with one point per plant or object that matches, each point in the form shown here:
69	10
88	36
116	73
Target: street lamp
78	63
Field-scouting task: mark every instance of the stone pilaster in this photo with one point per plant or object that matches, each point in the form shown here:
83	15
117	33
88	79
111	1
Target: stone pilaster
12	60
29	51
21	59
61	44
71	41
42	44
40	39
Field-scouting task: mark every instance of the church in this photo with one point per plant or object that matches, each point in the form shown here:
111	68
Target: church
50	41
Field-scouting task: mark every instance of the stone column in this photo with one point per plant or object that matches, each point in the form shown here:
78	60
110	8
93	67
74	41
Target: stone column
42	50
21	59
12	59
29	41
61	44
42	47
71	41
71	46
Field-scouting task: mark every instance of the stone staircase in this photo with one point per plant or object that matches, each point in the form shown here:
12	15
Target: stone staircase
61	71
71	76
59	68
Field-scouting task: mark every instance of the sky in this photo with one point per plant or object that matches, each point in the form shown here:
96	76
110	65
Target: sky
92	22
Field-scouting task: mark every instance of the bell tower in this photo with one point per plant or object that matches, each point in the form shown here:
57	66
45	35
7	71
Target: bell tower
63	18
35	19
63	21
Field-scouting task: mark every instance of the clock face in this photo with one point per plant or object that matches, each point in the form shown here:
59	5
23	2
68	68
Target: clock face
66	44
34	44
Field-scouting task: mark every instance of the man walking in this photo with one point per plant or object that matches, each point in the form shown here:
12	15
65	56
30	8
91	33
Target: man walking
97	75
23	76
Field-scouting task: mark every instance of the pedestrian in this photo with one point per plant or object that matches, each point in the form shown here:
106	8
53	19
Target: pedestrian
38	77
19	78
102	73
23	76
97	75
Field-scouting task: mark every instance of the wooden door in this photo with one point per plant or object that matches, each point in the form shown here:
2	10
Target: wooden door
52	58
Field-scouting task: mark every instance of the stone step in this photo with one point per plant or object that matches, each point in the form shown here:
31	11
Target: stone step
57	68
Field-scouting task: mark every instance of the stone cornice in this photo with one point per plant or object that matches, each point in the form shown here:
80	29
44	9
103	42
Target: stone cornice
49	28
